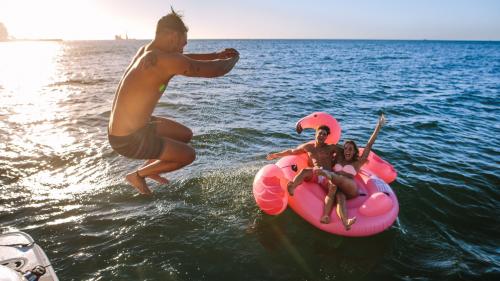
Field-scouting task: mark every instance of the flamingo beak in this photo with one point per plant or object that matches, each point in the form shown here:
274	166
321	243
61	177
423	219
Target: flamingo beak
298	126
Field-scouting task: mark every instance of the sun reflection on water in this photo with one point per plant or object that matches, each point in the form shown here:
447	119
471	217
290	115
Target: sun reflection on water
28	68
38	118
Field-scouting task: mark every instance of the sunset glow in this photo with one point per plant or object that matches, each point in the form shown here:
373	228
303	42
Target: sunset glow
224	19
33	19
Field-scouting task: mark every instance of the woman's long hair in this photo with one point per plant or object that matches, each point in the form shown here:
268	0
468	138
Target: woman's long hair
356	150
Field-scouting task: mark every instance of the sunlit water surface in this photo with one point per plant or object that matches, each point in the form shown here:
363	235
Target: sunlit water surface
61	182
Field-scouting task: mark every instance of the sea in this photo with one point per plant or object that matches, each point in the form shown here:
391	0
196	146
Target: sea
61	182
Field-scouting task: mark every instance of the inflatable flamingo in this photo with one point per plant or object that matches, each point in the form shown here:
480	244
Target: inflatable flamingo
376	208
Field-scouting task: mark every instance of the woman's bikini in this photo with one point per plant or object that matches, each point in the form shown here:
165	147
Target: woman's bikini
348	169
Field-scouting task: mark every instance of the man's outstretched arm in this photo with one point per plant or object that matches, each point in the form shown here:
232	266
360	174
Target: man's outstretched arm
179	64
211	56
226	53
294	151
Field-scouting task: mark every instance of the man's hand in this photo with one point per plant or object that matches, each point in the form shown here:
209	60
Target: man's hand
227	53
318	171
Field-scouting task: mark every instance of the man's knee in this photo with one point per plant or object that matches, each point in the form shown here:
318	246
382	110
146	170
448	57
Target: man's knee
185	134
188	135
332	189
189	156
307	172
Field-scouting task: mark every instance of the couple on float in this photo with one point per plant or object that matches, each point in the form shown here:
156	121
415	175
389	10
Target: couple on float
333	167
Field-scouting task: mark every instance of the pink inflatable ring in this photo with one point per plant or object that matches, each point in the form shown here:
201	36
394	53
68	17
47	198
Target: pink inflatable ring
376	208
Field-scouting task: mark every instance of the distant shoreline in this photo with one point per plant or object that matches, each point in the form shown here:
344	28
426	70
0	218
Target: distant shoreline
37	40
259	39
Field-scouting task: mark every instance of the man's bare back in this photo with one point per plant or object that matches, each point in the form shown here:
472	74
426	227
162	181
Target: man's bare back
137	94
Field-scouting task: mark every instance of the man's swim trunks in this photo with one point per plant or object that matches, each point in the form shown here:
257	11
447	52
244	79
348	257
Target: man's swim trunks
141	144
321	180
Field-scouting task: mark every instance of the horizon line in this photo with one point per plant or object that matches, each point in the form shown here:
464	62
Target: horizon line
339	39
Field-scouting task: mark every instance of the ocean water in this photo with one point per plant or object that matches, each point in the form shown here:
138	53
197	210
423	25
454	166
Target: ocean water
61	182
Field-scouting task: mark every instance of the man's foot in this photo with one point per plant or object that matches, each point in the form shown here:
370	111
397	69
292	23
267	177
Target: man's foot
325	219
138	183
349	223
291	187
157	178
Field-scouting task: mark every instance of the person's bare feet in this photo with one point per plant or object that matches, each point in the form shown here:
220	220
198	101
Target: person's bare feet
349	223
159	179
325	219
290	187
138	182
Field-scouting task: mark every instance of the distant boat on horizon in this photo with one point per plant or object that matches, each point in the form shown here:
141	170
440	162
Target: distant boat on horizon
120	37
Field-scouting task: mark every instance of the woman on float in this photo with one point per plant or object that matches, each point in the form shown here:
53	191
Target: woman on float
346	167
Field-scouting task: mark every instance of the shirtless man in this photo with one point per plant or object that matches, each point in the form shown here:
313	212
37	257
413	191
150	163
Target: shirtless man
320	156
133	132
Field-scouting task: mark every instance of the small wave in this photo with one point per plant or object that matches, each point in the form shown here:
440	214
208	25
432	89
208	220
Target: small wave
8	173
73	82
427	125
105	114
235	140
394	58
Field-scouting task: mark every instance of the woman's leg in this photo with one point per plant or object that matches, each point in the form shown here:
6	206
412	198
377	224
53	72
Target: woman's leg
342	211
329	200
348	187
345	184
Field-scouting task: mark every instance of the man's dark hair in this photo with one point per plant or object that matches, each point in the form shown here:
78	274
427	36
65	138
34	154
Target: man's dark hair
324	127
172	21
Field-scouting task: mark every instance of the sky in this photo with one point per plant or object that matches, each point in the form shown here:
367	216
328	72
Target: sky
266	19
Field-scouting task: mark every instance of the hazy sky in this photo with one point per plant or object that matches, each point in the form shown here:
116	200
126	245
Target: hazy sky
348	19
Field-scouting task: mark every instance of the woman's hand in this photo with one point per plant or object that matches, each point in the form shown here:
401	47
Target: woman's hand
381	120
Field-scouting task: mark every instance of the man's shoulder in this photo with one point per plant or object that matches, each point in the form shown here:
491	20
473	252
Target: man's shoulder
159	58
334	146
307	146
150	59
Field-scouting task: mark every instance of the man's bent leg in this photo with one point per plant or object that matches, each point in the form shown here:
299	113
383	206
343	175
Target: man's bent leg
157	178
138	182
298	179
175	155
167	128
